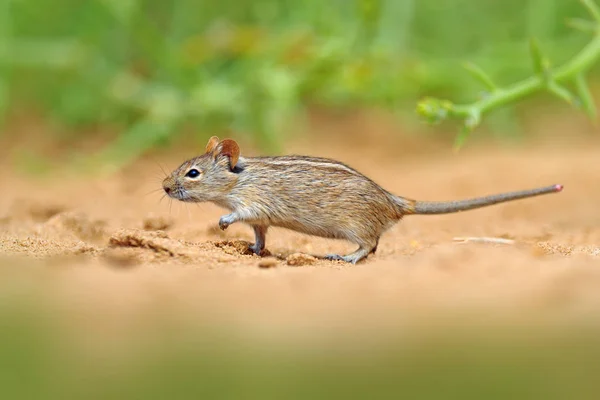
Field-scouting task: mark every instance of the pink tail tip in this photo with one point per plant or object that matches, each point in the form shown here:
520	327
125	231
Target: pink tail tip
558	188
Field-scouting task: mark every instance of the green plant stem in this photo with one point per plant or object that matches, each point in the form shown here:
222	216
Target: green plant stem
503	96
546	78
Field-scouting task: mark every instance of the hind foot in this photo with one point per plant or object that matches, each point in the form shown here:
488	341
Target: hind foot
260	233
360	254
335	257
256	249
350	258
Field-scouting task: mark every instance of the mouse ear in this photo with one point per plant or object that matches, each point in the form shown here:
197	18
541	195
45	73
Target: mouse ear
212	143
229	148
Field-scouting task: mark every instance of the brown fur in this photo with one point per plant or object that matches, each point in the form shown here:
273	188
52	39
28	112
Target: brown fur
312	195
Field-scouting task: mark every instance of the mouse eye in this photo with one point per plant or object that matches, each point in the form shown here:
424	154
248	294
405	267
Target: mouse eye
193	173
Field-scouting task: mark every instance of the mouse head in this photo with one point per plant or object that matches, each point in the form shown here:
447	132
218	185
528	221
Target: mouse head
208	177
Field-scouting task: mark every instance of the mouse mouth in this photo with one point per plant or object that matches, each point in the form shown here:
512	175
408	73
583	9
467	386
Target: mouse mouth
180	194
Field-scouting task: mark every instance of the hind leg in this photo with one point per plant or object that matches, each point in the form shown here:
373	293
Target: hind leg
260	236
360	254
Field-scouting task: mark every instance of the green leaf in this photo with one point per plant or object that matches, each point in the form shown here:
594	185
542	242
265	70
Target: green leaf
473	120
592	8
582	25
585	97
561	92
480	75
541	64
461	138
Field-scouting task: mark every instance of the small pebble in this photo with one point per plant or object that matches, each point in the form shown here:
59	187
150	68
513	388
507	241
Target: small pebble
268	263
299	259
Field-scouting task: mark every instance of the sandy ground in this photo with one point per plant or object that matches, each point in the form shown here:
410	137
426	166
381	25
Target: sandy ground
109	244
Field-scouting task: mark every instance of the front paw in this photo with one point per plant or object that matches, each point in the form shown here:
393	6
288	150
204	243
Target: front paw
224	222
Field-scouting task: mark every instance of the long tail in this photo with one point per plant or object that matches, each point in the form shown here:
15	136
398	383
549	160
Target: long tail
446	207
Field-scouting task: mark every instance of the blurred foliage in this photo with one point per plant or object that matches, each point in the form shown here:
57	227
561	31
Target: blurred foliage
151	67
546	77
39	360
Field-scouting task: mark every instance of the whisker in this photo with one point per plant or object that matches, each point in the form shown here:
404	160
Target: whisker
153	191
161	168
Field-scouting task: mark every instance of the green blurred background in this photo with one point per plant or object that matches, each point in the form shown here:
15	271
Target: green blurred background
147	69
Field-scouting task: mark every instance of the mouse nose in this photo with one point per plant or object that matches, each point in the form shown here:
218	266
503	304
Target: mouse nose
167	189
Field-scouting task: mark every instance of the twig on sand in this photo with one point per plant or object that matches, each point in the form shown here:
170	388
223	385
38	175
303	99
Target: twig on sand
492	240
